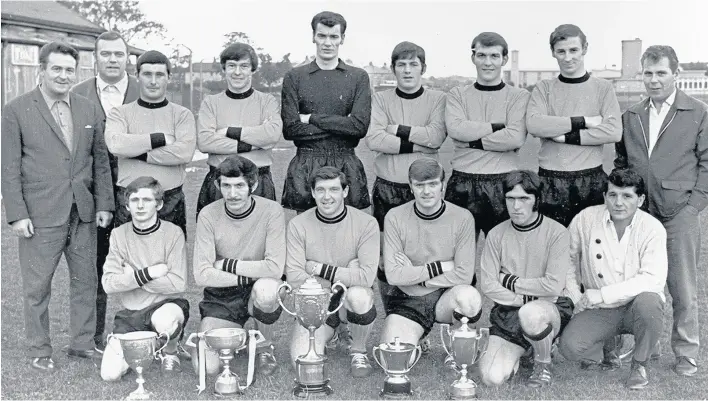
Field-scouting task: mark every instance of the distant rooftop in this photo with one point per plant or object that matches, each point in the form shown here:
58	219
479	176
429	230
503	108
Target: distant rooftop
47	14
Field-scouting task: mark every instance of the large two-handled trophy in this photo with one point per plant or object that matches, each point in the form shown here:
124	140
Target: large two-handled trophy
466	347
225	341
396	359
139	352
310	303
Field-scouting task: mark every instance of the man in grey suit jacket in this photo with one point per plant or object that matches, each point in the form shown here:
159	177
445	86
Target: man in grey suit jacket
111	88
665	138
56	182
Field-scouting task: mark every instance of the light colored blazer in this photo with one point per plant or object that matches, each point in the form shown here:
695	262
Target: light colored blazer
41	178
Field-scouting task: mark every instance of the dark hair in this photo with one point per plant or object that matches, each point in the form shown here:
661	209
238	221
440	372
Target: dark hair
565	31
656	52
238	166
239	51
328	173
145	182
406	51
56	47
488	39
529	181
153	57
625	178
330	19
425	169
110	36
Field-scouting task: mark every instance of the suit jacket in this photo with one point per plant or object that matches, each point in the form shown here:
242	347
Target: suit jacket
676	173
87	89
41	178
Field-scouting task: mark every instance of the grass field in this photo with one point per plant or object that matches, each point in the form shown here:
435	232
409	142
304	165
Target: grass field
80	379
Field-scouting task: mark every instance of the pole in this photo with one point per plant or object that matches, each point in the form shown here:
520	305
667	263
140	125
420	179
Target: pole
191	81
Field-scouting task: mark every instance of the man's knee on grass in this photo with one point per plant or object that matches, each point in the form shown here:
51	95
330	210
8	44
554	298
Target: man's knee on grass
500	361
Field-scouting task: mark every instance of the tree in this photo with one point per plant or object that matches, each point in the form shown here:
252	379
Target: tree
124	17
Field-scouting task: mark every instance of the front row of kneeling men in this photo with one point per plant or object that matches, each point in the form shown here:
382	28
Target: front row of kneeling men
603	276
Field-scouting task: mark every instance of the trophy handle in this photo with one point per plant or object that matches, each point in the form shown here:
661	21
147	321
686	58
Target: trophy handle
256	337
376	358
445	328
419	353
280	300
341	303
483	341
167	340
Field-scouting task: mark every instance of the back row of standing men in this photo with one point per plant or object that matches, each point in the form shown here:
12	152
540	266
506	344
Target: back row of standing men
326	109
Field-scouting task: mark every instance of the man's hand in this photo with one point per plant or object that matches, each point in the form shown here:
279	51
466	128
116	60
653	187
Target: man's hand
23	228
158	270
423	149
392	129
594	298
311	267
354	264
592	122
169	139
403	260
559	139
305	118
103	218
581	305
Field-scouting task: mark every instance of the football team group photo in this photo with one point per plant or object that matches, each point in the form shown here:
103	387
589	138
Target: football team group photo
332	240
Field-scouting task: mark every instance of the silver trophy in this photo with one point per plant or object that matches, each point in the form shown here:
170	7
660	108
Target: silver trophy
139	352
466	347
396	359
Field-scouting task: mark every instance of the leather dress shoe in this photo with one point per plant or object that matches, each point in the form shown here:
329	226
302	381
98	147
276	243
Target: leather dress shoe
686	366
43	364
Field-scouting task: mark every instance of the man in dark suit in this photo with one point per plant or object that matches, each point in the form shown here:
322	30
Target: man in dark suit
111	88
665	138
56	182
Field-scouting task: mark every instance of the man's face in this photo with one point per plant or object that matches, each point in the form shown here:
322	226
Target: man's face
328	40
153	80
142	206
428	194
111	58
238	75
236	193
408	73
519	204
658	79
59	74
570	55
329	196
489	62
622	202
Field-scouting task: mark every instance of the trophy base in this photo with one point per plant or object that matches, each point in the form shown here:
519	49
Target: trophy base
396	390
463	391
138	395
305	390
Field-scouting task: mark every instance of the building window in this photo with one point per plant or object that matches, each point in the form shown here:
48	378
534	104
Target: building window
24	54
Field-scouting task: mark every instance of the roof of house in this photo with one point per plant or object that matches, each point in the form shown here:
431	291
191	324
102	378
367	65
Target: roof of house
47	14
696	65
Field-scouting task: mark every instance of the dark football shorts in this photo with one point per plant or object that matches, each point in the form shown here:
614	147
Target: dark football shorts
566	193
127	321
173	208
210	193
505	321
481	194
420	309
227	303
296	191
387	195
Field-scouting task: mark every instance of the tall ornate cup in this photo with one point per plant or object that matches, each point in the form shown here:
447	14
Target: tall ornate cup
396	359
225	341
139	351
310	303
466	347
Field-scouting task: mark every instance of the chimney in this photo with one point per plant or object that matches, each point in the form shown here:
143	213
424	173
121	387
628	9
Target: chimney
515	67
631	58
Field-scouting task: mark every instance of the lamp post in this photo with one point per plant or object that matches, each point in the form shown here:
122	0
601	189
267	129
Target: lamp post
191	75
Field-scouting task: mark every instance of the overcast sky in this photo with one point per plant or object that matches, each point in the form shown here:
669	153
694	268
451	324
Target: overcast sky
443	29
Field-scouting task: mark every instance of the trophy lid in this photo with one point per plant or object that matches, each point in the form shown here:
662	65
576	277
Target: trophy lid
310	287
464	330
397	345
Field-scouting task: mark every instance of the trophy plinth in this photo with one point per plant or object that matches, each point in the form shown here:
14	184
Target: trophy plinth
139	351
396	359
310	303
466	347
